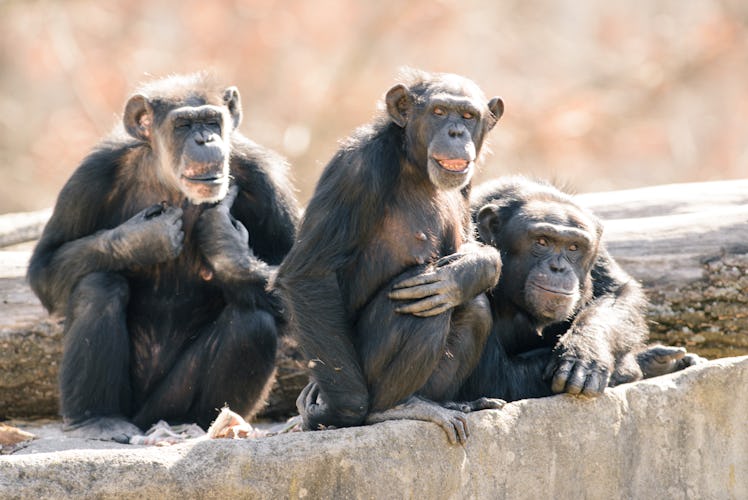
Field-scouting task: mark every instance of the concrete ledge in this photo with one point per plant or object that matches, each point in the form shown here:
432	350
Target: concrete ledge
680	436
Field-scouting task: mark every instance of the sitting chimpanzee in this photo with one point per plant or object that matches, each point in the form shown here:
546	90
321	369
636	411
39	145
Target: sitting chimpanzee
384	285
158	253
566	317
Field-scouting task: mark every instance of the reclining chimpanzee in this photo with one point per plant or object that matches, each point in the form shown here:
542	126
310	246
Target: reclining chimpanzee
566	318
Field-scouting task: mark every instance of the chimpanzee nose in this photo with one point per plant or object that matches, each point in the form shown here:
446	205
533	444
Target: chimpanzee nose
456	130
557	264
203	137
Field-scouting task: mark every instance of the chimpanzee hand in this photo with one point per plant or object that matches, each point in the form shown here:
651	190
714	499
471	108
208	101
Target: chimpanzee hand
151	236
576	373
224	240
455	279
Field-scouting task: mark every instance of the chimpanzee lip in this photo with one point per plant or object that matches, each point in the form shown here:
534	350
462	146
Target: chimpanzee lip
205	178
553	290
452	164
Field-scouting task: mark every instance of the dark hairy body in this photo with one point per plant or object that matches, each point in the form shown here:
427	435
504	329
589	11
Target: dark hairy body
384	286
158	253
566	317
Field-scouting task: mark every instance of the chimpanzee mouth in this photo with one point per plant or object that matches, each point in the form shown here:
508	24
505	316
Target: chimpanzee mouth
456	165
206	179
555	291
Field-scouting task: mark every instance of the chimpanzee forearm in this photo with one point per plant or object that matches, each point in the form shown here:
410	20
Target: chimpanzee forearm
151	236
456	279
610	326
477	268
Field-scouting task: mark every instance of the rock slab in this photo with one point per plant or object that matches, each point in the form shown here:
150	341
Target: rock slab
679	436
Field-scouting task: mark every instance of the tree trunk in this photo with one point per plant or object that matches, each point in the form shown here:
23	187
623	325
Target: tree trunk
686	243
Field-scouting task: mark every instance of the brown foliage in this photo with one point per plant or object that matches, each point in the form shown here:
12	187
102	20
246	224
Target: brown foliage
598	94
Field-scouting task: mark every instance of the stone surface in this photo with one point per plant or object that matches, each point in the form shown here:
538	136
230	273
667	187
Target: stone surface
679	436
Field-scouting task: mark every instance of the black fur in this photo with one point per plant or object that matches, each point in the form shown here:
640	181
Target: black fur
167	316
384	211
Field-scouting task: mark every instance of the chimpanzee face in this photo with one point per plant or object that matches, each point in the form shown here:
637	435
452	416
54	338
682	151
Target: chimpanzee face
445	123
547	251
191	140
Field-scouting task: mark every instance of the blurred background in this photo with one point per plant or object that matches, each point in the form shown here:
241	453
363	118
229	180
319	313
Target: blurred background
599	95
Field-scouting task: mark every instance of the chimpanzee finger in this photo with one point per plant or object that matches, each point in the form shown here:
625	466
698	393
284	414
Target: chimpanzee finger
421	279
244	234
444	261
594	385
416	291
155	210
434	312
230	198
461	425
561	375
421	305
172	214
576	379
307	394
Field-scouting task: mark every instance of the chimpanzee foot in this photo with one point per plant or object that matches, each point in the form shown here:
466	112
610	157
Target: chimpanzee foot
103	428
454	422
662	359
477	405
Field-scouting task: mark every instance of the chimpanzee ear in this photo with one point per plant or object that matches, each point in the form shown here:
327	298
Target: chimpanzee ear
496	106
489	224
232	101
399	103
138	118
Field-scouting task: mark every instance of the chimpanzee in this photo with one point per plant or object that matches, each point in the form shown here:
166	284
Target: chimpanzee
158	253
384	286
566	317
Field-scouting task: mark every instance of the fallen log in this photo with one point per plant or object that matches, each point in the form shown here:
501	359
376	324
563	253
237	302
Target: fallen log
686	243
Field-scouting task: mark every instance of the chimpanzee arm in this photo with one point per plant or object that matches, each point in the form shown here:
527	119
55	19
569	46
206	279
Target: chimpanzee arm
75	241
266	204
456	279
500	374
309	279
612	323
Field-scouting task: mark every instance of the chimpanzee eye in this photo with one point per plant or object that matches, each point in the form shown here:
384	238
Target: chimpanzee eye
542	242
573	247
181	124
439	111
468	115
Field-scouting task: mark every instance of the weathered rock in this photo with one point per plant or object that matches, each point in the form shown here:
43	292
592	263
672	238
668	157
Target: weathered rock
679	436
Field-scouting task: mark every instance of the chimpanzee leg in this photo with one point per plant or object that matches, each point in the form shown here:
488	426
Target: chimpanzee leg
469	330
231	362
95	392
399	352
